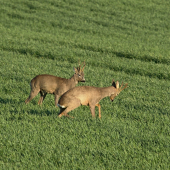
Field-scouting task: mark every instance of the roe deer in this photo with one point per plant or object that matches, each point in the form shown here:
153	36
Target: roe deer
45	83
87	95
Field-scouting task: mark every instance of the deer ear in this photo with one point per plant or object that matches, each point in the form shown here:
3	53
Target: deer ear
75	70
113	83
117	84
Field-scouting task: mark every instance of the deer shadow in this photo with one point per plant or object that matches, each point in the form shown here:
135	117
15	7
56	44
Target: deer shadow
9	101
42	112
35	110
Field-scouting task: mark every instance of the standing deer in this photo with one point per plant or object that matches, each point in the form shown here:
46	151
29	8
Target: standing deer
45	83
89	96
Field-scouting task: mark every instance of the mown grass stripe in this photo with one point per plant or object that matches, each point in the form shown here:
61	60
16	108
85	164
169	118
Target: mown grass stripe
137	71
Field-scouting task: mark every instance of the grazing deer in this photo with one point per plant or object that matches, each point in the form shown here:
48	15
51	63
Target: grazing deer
89	96
45	83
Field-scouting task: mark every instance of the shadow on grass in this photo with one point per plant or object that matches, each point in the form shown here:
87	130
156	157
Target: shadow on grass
41	112
15	115
35	110
9	101
15	101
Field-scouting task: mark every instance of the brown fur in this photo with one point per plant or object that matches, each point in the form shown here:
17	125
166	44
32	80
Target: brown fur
87	95
45	83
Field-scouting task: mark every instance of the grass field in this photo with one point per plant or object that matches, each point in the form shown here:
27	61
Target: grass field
124	40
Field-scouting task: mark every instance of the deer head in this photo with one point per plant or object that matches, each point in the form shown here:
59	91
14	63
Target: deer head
117	89
79	74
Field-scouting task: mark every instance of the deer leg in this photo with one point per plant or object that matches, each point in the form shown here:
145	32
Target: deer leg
56	99
92	109
64	112
72	105
61	110
42	97
98	105
31	96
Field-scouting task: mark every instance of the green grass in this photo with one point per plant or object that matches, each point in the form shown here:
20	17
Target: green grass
124	40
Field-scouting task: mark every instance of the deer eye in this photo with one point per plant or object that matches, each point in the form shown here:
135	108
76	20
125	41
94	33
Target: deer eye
79	75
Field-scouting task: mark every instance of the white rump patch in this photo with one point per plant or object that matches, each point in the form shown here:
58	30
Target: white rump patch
60	106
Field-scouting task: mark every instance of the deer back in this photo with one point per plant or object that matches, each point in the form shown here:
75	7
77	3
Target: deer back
85	94
48	83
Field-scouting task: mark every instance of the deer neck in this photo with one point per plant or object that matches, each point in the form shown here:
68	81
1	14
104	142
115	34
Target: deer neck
106	91
73	82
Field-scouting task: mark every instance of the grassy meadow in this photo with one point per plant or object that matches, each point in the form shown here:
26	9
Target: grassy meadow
124	40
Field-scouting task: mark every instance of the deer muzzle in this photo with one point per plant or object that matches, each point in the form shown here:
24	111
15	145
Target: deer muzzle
83	80
112	97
